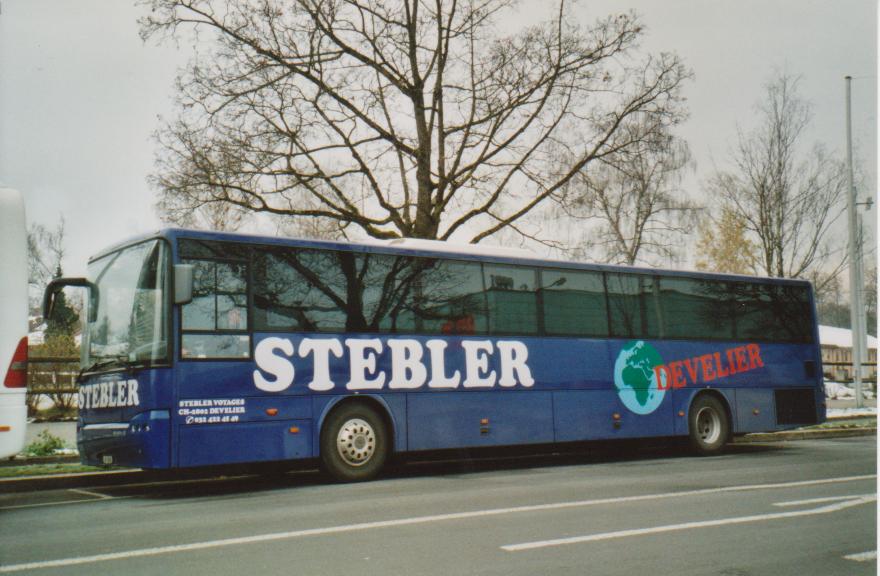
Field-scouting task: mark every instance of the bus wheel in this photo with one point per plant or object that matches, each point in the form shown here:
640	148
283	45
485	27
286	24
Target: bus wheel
354	443
709	426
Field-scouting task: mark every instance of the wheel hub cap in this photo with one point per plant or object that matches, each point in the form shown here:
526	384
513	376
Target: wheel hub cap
708	425
356	442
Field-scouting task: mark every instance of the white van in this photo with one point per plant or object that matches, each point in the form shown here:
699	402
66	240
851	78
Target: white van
13	322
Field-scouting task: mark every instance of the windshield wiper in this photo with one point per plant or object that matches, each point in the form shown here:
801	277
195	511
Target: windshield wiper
105	363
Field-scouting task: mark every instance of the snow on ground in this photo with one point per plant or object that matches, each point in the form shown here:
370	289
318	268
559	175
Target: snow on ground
838	391
850	412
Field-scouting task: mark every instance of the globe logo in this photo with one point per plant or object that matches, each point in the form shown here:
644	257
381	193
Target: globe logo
635	378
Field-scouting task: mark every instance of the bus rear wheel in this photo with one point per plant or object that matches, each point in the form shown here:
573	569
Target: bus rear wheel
708	424
354	443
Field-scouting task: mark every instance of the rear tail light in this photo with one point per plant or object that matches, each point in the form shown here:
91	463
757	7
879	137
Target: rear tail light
16	376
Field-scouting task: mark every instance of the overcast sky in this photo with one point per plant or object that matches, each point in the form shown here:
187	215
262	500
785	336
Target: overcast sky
80	94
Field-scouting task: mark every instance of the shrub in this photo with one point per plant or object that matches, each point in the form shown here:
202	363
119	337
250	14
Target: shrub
45	444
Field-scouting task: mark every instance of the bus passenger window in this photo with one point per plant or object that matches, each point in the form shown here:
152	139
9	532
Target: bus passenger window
219	305
772	312
697	309
512	299
199	314
449	298
574	303
219	297
231	297
634	305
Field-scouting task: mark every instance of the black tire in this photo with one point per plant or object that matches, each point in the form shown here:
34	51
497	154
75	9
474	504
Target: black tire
354	443
708	424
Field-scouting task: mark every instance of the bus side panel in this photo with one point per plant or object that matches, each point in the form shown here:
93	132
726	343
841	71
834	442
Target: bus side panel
221	418
755	409
472	419
589	415
245	442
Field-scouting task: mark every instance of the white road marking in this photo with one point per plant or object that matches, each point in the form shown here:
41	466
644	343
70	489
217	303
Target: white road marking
820	500
90	493
60	503
863	557
137	553
687	526
98	497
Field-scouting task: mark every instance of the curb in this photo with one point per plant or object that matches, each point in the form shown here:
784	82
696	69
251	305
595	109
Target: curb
76	480
790	435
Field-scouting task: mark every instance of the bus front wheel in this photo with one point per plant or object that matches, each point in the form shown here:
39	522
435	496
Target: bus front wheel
354	443
708	424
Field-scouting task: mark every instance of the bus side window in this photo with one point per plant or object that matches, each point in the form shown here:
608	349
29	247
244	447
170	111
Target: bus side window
634	305
219	306
574	303
449	298
772	312
512	299
697	309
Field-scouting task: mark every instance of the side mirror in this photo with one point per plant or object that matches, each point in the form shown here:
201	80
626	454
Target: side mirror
57	285
183	283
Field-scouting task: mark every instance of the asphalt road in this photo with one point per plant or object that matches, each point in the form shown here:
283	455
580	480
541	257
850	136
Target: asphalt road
797	508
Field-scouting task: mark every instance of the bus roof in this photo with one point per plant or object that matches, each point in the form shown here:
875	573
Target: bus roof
436	249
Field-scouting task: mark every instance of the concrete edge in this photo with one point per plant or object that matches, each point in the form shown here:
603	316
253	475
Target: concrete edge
75	480
789	435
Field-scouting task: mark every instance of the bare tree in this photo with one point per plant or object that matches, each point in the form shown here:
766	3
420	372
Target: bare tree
833	308
210	215
788	204
45	253
636	199
401	118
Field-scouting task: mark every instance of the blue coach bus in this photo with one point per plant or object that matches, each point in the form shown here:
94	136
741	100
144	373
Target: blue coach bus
205	349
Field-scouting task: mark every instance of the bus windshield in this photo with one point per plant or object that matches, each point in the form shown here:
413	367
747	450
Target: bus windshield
132	316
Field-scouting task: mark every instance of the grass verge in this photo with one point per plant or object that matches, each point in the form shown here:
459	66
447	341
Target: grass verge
839	423
45	469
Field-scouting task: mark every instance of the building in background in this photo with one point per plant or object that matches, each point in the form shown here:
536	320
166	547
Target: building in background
837	355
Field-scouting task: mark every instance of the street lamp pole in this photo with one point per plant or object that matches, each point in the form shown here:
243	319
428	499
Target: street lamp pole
855	259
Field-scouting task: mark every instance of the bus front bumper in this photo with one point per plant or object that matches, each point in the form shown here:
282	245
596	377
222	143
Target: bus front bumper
143	442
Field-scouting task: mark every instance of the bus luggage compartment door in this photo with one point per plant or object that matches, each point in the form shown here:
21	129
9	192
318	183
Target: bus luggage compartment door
469	419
